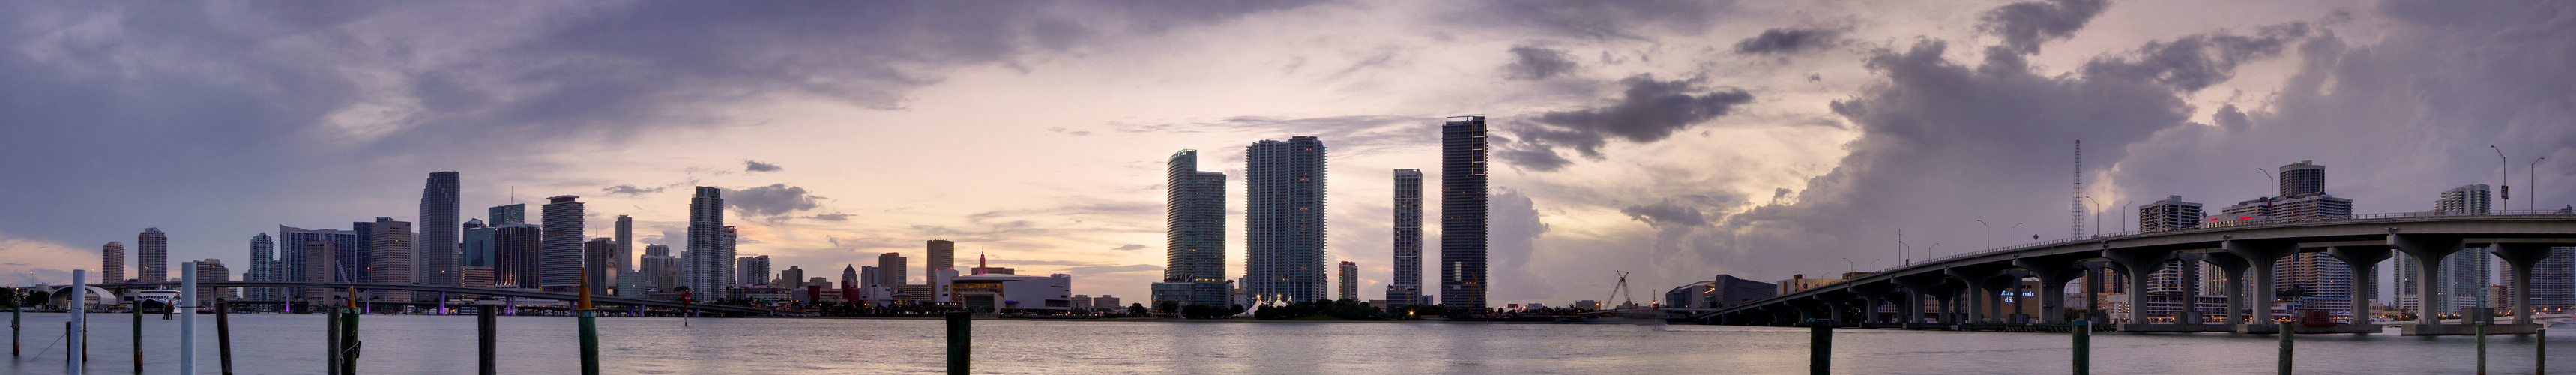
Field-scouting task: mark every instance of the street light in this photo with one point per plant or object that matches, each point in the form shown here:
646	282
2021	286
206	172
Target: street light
1927	250
1989	234
2503	176
2533	184
1847	263
2009	240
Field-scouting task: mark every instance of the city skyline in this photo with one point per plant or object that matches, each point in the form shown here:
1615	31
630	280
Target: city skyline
1673	141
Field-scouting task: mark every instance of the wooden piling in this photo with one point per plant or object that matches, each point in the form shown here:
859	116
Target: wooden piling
1820	347
961	334
2083	346
224	335
487	329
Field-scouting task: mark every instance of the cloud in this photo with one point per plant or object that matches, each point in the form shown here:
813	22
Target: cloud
1130	247
1537	63
770	201
1061	130
2026	25
628	190
1666	214
1099	270
1601	19
1648	111
836	216
749	166
1516	270
1785	41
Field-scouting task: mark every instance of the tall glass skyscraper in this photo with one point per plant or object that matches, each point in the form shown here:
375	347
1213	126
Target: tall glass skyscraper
513	213
1407	285
296	259
705	264
515	259
1194	233
152	256
111	264
263	267
437	241
559	258
1462	212
477	251
1284	220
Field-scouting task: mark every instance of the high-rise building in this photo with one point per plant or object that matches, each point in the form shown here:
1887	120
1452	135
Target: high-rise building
2168	286
751	269
599	263
2465	274
1462	212
2553	280
2171	214
475	276
392	258
316	261
559	258
360	262
662	272
152	256
2303	179
1407	285
791	278
212	270
725	244
943	255
2328	282
513	213
891	267
339	247
861	276
1283	220
1194	236
517	250
439	216
477	249
706	266
111	266
1351	281
625	244
263	267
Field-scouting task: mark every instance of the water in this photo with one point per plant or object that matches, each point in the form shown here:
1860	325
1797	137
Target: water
293	344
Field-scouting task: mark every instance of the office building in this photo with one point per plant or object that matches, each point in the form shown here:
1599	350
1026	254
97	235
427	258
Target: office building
1406	287
475	276
1350	278
212	270
2303	179
1194	233
152	256
1284	220
598	264
863	276
891	267
339	247
995	292
517	250
792	278
438	238
2188	277
477	250
559	262
661	272
2553	280
1107	301
625	256
943	255
752	269
360	262
263	267
315	261
1462	212
1726	289
707	262
392	258
111	266
513	213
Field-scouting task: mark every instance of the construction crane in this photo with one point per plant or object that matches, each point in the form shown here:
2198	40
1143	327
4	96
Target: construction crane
1618	292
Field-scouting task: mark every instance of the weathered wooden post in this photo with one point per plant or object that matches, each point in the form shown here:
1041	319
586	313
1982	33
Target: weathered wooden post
1820	347
224	335
2083	346
138	336
331	339
2287	329
961	334
486	327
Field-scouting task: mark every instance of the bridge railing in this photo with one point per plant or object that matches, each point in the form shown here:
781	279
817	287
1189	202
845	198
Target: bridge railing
2242	224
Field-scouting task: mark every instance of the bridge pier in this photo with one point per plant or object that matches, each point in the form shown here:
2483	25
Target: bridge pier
2365	276
2261	255
2521	257
2190	293
2234	266
2428	252
2138	264
1974	280
2053	275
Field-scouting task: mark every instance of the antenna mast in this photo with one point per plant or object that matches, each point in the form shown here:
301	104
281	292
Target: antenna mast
2076	217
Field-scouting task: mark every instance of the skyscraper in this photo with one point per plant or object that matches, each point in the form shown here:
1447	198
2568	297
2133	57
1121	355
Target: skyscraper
598	259
661	270
891	267
392	257
1407	285
263	267
152	256
317	262
111	268
2553	280
943	255
725	244
2328	281
513	213
1350	281
625	244
358	262
850	277
438	230
751	270
212	270
1283	220
791	278
2465	274
478	245
866	276
1194	224
516	255
2302	179
559	258
339	247
705	273
1462	212
2167	288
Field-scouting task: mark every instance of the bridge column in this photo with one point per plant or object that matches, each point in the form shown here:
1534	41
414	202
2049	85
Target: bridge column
1870	302
2521	257
2428	252
2234	266
1943	314
1917	287
2189	284
1974	281
2261	255
2138	264
2365	275
2053	276
2093	292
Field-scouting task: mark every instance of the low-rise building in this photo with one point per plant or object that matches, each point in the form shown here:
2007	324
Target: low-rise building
995	292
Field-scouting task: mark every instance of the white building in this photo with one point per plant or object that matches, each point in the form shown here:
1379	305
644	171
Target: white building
1000	291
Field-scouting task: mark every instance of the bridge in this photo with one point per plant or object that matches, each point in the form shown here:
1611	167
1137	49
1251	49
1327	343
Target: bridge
2245	251
456	290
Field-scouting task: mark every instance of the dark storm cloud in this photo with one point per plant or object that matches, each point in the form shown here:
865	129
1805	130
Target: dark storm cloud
1649	110
628	190
770	201
1537	63
1788	41
2026	25
199	92
1601	19
749	166
2197	61
1666	214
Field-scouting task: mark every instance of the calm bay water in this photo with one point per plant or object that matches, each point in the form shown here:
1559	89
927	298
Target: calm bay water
293	344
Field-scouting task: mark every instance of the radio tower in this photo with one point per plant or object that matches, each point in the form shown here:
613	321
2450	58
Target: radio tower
2077	215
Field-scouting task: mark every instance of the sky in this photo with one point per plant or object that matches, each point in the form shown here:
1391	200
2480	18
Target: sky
1676	140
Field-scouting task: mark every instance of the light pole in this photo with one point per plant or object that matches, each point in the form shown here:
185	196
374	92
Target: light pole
1873	263
2533	184
2009	234
1927	250
2503	176
1847	264
1989	234
2097	214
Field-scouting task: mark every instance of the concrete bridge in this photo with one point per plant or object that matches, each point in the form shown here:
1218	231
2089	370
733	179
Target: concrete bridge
2244	251
451	290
